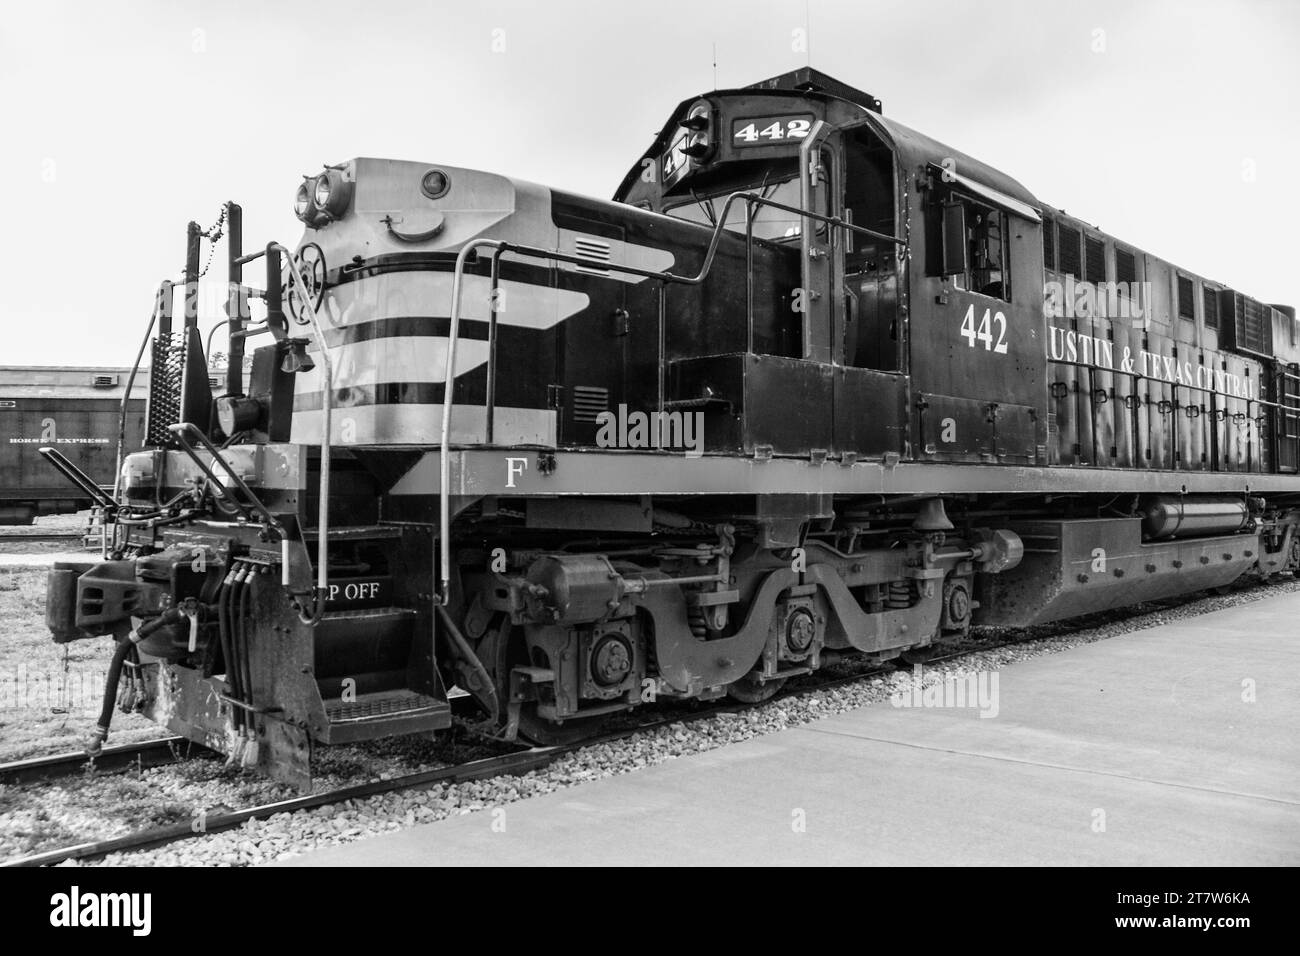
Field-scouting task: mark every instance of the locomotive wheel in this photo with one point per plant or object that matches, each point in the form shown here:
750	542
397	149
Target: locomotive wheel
545	733
919	655
509	650
748	690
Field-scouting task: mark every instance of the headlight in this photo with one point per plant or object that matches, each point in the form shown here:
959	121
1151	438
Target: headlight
302	204
323	190
332	193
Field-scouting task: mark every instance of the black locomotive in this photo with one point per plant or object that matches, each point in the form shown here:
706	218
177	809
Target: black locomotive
811	384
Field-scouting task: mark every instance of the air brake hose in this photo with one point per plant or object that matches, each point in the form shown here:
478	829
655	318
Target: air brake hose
100	733
226	636
120	653
245	644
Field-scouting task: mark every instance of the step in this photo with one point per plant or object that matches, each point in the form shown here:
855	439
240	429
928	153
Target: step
385	713
362	640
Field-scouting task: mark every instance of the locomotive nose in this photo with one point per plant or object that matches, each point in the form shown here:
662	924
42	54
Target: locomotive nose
377	256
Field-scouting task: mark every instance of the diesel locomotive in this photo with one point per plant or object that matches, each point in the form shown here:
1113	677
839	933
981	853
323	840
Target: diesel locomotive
811	384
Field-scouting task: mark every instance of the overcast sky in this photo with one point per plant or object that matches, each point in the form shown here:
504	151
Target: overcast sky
1172	125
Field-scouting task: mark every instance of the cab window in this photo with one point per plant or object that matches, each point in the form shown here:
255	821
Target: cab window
774	225
982	229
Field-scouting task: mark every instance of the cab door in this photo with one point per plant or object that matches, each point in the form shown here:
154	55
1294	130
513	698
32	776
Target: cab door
820	191
977	330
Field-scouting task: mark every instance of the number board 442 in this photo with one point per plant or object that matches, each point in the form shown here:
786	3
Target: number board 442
767	130
986	329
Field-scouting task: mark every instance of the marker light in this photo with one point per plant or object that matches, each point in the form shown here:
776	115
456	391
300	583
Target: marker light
435	184
699	144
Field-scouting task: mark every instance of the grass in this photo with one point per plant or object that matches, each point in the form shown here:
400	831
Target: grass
50	694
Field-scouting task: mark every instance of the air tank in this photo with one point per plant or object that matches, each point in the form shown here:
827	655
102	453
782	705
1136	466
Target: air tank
1189	516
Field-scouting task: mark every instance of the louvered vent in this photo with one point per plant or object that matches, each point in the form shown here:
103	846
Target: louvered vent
1186	298
103	381
1254	327
1071	257
1211	308
588	402
1049	244
595	250
1095	264
1125	266
213	381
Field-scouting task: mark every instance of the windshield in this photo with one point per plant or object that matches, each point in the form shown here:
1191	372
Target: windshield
773	224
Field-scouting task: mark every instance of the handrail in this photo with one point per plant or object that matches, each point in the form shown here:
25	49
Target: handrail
78	477
327	405
1174	385
501	247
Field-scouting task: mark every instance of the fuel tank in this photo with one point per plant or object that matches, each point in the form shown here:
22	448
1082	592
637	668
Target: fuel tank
1166	516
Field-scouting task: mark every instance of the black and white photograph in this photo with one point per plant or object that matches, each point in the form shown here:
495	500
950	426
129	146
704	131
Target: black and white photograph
801	433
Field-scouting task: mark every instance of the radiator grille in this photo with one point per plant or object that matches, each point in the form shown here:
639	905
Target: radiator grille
1095	265
1125	266
1070	253
1211	308
588	402
1186	298
1049	244
1254	326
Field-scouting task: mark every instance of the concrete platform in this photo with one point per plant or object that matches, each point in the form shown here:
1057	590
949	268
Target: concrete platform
44	559
1138	750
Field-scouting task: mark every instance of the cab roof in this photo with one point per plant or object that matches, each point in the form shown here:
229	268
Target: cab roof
916	151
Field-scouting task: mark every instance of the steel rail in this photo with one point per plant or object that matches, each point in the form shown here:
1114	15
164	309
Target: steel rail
40	536
150	753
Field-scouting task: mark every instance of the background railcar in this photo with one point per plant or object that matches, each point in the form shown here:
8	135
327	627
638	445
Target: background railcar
75	410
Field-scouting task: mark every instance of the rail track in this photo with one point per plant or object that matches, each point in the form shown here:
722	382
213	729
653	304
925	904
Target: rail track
151	753
24	536
172	749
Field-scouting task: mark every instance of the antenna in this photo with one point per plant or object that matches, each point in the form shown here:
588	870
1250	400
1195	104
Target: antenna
715	64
